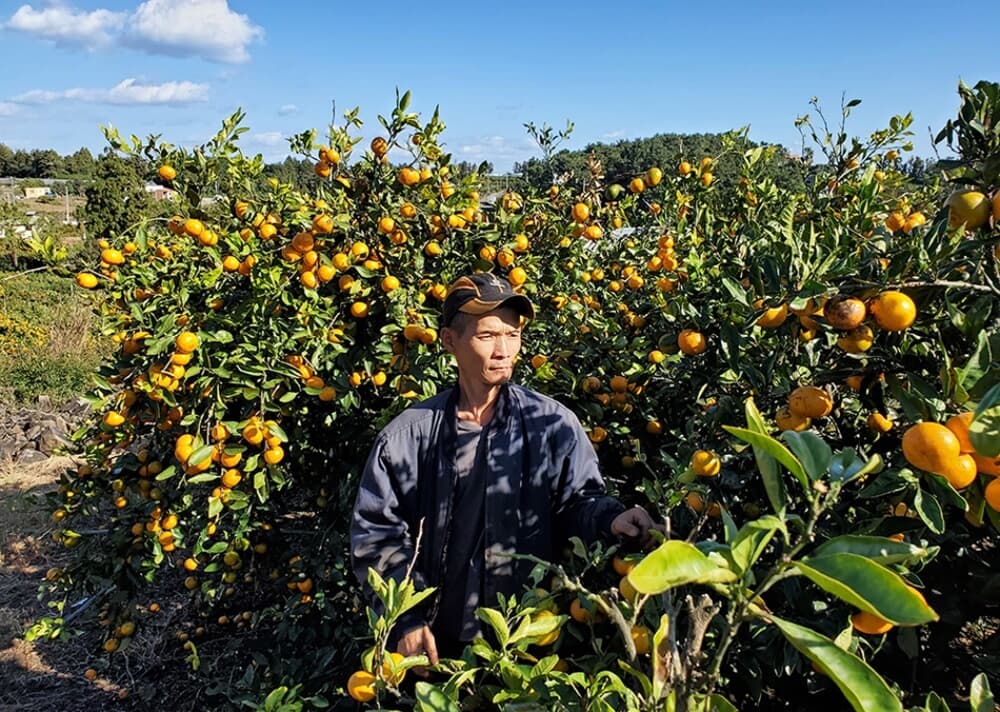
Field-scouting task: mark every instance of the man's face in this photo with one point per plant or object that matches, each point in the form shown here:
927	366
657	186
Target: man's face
484	346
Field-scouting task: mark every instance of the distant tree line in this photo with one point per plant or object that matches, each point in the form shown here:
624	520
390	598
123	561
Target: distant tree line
625	159
45	163
299	171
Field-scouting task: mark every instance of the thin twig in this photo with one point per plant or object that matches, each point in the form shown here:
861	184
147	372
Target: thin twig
947	283
17	274
416	549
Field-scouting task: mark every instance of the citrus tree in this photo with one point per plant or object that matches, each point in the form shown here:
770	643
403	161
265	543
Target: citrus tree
266	331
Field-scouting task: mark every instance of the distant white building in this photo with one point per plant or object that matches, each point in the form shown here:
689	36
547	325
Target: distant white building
159	192
42	191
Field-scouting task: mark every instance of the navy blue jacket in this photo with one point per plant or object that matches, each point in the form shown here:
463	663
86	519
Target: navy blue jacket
543	486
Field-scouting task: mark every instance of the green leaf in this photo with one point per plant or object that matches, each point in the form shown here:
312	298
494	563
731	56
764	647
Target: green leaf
945	492
984	432
496	622
411	598
875	548
275	430
676	563
978	364
202	478
751	540
846	465
929	510
887	483
766	465
167	473
201	455
718	703
431	698
811	450
773	448
980	695
536	627
869	586
735	290
863	688
934	703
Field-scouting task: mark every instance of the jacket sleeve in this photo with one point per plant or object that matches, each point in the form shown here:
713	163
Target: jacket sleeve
381	536
583	508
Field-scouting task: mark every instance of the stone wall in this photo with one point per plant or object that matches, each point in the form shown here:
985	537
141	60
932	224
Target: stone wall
34	434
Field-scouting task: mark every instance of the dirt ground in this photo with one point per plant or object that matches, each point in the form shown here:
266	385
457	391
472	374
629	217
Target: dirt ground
35	675
151	669
41	675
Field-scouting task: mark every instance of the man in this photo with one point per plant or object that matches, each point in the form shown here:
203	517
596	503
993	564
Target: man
479	472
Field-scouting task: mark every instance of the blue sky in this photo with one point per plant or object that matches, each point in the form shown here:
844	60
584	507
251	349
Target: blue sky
178	67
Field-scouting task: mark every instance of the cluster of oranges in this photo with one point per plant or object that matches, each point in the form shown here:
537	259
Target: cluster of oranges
947	450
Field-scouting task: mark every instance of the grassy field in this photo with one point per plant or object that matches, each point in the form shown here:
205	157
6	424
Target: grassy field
48	343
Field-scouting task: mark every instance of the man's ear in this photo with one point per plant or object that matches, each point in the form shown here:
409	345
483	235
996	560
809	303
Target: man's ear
448	339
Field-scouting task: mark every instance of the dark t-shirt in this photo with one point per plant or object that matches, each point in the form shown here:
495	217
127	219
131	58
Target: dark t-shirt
463	583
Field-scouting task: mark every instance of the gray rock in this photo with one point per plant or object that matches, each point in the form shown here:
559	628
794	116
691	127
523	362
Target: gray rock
51	438
9	449
30	455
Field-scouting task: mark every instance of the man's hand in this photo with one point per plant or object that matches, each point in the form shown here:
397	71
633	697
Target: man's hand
635	523
417	641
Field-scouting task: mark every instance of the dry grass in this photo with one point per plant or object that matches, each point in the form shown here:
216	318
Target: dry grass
73	333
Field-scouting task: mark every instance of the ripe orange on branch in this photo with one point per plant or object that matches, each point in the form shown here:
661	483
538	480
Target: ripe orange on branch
772	317
691	342
969	208
869	623
810	402
187	342
959	424
930	446
361	686
705	463
86	280
893	311
992	494
787	420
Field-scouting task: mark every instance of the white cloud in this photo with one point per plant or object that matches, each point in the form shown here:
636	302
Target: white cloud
287	109
483	143
67	26
205	28
613	135
178	28
489	148
501	151
128	91
266	138
7	108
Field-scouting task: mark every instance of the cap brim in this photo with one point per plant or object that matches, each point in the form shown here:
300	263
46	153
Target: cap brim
520	303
